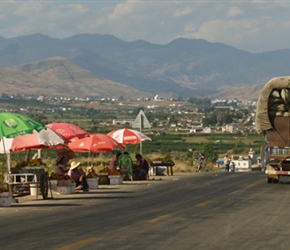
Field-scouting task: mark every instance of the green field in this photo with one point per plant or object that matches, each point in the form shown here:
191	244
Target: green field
181	147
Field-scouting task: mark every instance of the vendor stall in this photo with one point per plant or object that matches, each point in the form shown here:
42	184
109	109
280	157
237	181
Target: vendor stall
162	163
35	176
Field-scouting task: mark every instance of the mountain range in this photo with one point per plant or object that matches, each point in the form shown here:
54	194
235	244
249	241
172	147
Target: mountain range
105	66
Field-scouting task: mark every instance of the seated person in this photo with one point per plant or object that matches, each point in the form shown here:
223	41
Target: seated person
142	168
125	164
79	176
61	165
114	162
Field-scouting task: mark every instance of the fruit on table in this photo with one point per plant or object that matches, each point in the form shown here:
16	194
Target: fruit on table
31	163
55	176
105	170
115	172
91	175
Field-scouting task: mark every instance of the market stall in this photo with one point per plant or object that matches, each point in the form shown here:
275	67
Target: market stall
162	163
32	173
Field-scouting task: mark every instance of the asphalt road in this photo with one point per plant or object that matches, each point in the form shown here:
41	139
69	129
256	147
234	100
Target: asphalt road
197	211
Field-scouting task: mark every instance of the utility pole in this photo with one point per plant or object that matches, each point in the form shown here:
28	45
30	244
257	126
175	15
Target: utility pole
141	127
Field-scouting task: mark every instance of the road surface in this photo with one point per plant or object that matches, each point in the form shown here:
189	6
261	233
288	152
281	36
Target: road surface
195	211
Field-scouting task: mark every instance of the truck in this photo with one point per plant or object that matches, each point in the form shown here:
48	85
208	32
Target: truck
273	122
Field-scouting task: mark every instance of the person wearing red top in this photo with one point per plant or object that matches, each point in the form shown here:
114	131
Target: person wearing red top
114	162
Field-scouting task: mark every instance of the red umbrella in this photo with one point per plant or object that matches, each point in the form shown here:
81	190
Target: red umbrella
94	143
68	130
128	136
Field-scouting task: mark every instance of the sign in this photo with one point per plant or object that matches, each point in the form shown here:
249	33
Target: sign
141	121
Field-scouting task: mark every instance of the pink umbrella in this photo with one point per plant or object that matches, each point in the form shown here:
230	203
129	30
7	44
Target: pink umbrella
94	143
68	130
128	136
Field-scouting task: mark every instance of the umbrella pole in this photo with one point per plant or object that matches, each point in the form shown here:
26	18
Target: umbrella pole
28	155
39	153
8	162
8	158
140	147
141	125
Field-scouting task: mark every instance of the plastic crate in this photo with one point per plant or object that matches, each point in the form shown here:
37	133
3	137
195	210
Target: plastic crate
116	179
93	183
73	188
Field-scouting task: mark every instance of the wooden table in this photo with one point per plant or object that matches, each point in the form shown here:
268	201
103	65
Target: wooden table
168	164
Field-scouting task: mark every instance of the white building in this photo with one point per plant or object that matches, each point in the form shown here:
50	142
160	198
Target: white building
243	164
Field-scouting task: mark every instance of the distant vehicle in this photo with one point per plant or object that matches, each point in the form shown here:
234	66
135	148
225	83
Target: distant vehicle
273	121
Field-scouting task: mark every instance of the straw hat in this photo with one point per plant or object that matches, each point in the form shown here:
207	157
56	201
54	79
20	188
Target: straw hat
74	165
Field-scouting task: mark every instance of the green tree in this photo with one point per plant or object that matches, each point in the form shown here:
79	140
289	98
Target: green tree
209	151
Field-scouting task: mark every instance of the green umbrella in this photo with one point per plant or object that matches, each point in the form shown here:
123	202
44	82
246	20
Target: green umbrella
13	125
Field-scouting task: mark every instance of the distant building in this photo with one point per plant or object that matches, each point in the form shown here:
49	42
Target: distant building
207	130
123	121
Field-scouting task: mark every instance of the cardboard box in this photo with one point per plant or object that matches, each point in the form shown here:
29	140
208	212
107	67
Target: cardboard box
64	190
116	179
104	180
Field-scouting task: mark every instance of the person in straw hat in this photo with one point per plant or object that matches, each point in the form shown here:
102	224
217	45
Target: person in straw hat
79	176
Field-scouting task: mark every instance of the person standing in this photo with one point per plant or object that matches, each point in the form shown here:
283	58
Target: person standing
200	161
227	161
233	167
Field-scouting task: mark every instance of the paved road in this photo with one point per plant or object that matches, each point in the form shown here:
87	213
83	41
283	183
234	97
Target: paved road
197	211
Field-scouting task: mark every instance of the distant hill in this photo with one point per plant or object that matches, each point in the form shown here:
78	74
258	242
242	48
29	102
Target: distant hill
183	67
243	93
58	76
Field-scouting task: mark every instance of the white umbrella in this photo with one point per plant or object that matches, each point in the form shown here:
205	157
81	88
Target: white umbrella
46	138
38	140
128	136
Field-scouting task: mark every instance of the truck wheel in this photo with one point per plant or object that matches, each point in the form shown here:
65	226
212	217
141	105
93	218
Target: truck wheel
275	181
269	180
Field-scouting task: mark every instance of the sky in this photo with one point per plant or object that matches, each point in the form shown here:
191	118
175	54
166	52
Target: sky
250	25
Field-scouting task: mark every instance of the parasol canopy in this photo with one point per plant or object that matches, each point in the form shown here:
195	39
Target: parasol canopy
68	130
13	125
46	138
128	136
94	143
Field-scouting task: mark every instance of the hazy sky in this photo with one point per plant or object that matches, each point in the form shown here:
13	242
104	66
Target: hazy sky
251	25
